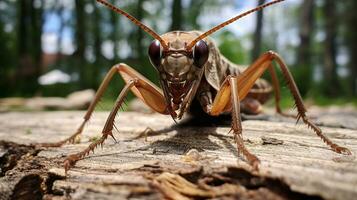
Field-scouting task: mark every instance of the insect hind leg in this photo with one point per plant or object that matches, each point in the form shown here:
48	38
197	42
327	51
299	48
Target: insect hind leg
252	73
277	93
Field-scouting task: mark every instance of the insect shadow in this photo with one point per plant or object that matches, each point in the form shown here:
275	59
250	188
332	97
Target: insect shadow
194	132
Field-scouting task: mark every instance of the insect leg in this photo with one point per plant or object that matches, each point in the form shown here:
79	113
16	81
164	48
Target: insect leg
107	130
127	73
252	73
228	99
277	94
237	124
143	89
103	86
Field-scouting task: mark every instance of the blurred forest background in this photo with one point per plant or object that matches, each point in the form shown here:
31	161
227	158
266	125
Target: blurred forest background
54	47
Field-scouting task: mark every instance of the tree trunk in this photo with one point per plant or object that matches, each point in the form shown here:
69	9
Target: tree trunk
80	36
257	40
114	34
176	15
331	85
95	78
22	45
304	62
351	42
29	47
36	26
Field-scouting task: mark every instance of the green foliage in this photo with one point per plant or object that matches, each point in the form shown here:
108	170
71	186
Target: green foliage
326	101
302	75
7	49
230	46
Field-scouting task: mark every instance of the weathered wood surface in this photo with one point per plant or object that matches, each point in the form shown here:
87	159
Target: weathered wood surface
295	163
74	101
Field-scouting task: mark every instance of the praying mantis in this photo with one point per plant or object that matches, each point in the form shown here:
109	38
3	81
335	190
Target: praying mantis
191	68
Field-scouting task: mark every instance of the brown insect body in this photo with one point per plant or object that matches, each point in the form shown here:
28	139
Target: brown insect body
179	76
190	67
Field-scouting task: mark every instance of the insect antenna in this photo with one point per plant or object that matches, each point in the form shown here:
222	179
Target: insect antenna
216	28
136	22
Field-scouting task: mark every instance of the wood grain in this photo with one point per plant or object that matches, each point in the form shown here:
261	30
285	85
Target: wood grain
180	162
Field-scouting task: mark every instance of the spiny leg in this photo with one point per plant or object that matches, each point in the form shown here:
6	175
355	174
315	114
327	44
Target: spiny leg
277	94
227	99
252	73
252	105
237	124
103	86
142	88
107	130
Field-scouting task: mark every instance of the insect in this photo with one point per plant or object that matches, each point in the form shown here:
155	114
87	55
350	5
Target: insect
191	68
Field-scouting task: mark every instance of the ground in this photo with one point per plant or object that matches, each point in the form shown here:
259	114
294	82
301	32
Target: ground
177	161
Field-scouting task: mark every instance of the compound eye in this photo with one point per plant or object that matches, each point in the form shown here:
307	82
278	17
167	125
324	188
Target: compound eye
200	54
155	53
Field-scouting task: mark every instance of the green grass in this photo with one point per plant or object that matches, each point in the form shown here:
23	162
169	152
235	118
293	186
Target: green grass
288	102
340	101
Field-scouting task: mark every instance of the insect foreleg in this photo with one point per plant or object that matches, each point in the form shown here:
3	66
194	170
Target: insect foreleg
142	88
252	73
103	86
107	130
